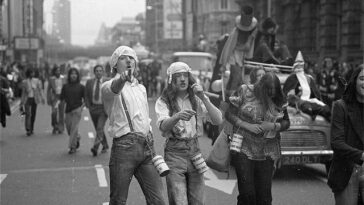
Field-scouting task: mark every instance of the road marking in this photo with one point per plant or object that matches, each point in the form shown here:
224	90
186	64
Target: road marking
101	175
217	180
91	135
2	177
105	203
51	169
86	118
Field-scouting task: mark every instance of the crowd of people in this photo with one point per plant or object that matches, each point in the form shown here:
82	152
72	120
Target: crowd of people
256	111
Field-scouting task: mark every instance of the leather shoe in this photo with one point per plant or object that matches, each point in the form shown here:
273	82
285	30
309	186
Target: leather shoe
72	151
104	150
94	152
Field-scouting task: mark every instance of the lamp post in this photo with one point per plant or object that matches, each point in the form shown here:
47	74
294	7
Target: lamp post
269	8
154	9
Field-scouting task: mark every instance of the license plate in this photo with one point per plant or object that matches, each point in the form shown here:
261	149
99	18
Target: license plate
300	159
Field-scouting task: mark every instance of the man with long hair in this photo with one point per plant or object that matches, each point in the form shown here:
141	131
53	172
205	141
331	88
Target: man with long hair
72	95
180	111
347	134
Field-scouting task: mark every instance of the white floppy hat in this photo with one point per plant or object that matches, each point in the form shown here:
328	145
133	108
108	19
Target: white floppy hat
177	67
122	50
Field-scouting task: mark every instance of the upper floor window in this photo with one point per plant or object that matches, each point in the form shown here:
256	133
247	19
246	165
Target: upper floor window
224	4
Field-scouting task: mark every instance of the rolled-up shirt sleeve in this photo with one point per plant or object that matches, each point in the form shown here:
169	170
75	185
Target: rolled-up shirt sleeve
162	112
107	93
107	96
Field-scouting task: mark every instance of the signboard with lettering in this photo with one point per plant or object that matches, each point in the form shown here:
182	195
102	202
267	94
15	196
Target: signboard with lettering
172	16
26	43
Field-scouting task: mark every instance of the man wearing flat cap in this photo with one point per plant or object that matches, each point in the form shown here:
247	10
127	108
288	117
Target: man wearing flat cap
125	102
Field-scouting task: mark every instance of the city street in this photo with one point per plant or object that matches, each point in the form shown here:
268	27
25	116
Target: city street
38	170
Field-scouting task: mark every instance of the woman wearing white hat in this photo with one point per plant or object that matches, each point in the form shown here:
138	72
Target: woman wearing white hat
180	111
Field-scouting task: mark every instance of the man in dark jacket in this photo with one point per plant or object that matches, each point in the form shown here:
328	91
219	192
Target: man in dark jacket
347	137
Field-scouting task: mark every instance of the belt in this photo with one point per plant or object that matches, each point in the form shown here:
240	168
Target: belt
93	104
182	139
138	134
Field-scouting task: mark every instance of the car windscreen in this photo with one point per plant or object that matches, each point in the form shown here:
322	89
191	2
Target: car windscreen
197	62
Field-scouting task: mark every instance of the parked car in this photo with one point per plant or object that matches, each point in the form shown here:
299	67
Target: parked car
306	141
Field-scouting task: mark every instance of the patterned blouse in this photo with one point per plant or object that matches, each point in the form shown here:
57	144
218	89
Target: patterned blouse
257	146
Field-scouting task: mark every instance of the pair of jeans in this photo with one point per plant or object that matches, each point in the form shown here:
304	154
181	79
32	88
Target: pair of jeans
185	185
254	179
73	119
57	115
99	118
30	112
131	154
355	188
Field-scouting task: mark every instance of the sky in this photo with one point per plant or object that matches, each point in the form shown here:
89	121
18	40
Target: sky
88	15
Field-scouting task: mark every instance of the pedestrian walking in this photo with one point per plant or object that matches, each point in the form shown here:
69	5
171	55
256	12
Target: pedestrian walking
55	84
346	175
93	101
126	104
31	95
72	94
4	101
258	115
180	111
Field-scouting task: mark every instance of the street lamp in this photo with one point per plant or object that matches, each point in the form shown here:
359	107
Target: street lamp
150	8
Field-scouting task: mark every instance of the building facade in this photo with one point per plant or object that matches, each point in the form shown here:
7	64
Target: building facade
61	21
154	24
214	18
319	28
22	31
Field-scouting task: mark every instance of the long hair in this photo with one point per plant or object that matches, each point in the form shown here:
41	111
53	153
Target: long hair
69	75
349	95
262	91
54	69
169	95
29	71
254	75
